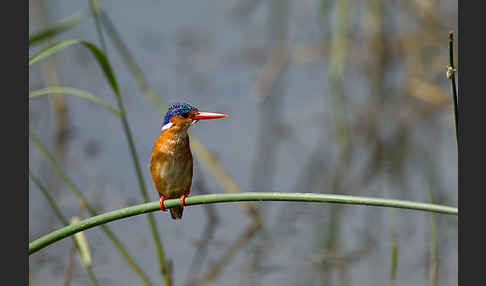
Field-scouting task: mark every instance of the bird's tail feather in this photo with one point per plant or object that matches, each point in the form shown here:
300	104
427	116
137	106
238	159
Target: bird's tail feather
176	212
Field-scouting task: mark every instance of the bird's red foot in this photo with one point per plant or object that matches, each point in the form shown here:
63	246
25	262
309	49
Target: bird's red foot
183	198
161	203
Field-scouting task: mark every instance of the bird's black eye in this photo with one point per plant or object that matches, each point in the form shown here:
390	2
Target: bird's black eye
185	115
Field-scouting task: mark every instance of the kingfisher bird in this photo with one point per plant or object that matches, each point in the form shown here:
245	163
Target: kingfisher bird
171	160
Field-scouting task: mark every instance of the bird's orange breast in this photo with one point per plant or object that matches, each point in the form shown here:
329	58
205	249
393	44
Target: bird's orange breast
171	164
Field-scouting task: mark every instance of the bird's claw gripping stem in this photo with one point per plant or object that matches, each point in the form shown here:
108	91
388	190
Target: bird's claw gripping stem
183	198
161	203
162	199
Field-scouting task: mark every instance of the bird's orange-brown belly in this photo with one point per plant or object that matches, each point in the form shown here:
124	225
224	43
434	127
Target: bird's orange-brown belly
172	176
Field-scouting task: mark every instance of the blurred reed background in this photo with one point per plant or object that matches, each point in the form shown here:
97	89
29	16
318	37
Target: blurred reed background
345	97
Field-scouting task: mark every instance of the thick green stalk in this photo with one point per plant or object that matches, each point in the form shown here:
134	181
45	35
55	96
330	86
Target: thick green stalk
120	247
225	198
64	221
95	8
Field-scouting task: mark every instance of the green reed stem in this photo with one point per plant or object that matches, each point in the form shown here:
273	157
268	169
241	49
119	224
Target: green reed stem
95	8
224	198
60	27
63	219
433	245
153	227
129	60
120	247
393	250
453	83
75	92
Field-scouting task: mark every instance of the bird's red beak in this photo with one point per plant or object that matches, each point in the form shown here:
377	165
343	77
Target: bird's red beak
208	115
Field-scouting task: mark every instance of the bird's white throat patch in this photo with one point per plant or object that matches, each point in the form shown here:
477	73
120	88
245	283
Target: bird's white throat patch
166	126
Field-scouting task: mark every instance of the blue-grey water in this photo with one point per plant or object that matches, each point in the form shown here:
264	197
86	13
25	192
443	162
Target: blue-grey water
197	52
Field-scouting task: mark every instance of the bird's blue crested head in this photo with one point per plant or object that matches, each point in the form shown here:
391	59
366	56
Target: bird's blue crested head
178	109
